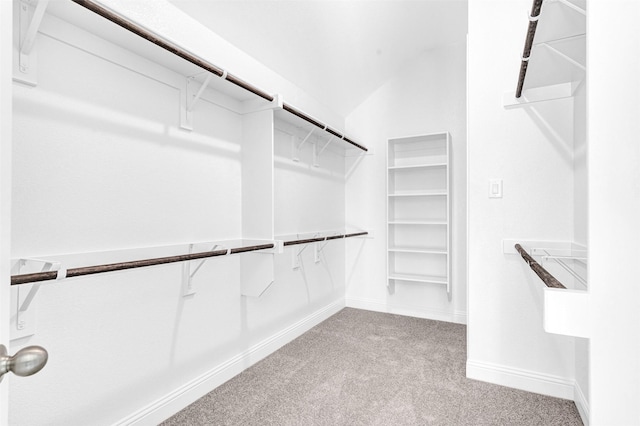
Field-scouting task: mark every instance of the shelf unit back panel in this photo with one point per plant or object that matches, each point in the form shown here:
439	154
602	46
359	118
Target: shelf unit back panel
418	209
420	264
417	151
417	180
418	237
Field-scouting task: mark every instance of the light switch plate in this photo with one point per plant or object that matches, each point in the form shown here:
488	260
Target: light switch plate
495	188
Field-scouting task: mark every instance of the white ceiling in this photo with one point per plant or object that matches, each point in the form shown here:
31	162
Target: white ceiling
338	51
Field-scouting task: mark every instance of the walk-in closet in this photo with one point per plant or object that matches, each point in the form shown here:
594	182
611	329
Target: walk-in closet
319	212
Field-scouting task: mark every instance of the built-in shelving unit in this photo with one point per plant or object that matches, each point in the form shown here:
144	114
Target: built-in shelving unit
418	211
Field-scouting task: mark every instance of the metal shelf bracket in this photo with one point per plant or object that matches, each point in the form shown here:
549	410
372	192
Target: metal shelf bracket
296	149
23	308
30	20
187	274
316	153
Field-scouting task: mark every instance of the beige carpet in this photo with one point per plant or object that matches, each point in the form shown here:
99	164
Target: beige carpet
366	368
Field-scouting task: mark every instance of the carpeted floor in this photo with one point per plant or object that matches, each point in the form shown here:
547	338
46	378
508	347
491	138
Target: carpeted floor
367	368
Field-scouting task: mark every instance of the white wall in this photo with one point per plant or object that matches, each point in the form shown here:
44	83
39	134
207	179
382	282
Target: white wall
100	164
614	208
531	150
427	96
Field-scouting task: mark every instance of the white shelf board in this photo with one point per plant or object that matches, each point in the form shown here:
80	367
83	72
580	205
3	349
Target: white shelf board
417	250
418	278
438	136
418	222
548	66
438	193
417	166
558	20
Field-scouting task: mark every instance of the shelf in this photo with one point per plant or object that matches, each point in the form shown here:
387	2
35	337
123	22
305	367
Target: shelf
418	278
565	308
179	51
433	193
419	222
417	166
417	250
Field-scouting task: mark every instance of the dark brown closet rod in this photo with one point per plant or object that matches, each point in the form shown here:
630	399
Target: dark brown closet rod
531	32
318	239
316	123
548	279
136	29
98	269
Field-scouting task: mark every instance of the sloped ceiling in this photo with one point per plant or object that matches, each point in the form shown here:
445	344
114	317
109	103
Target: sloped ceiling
337	51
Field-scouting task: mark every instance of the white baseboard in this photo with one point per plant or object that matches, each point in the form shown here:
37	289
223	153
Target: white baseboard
459	317
582	404
531	381
181	397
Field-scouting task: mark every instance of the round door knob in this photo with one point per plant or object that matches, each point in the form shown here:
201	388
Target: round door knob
25	362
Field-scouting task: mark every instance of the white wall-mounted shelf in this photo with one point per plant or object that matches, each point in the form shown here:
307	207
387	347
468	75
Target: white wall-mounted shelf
418	211
417	250
418	222
431	193
565	310
426	279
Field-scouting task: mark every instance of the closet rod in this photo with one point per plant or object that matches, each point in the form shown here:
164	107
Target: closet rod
140	31
318	239
545	276
111	267
316	123
531	32
148	35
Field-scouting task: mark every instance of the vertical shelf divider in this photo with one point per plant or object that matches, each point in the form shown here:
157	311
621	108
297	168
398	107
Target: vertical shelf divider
257	269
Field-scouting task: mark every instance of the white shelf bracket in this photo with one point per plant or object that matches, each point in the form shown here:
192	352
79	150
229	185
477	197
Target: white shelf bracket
296	149
317	154
186	116
295	263
187	274
23	321
189	97
573	7
193	100
30	20
565	57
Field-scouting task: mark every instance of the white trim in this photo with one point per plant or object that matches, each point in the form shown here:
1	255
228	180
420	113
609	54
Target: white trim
582	404
527	380
459	317
166	406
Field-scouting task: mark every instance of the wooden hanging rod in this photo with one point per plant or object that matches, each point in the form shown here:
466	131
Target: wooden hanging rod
531	32
178	51
316	123
318	239
98	269
548	279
